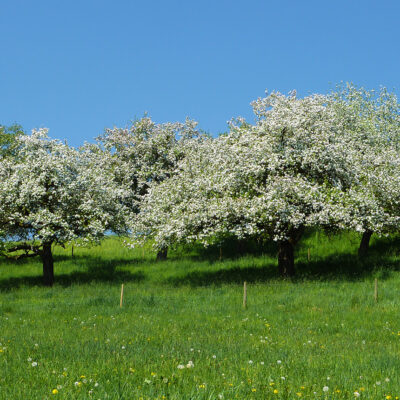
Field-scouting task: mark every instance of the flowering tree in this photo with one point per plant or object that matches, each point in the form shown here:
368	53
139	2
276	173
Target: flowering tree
143	154
51	194
372	120
292	169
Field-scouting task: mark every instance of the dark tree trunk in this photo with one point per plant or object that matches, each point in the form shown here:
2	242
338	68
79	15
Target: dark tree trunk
242	246
286	252
286	258
364	245
162	254
48	265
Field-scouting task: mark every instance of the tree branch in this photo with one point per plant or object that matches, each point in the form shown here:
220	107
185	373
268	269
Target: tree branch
20	256
30	250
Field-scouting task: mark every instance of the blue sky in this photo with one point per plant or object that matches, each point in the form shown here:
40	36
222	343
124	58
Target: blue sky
78	67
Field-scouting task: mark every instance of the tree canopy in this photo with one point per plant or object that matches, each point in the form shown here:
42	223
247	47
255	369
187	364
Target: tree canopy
8	136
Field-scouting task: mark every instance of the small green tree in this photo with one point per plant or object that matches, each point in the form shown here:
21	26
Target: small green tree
8	135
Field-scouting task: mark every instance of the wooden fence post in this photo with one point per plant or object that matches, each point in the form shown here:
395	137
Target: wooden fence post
122	295
245	295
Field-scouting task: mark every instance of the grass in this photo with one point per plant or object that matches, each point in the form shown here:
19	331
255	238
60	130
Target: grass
322	329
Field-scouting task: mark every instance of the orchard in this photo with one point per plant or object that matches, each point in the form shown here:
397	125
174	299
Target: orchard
328	162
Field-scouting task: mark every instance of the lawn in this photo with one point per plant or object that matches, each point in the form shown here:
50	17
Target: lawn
182	332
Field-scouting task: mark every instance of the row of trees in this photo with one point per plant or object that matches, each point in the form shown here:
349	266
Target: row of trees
323	161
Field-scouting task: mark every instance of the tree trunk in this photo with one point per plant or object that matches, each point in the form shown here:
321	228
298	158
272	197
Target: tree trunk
48	265
242	246
162	254
364	245
286	258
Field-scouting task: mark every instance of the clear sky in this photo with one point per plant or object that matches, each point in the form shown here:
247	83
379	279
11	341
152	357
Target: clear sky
78	67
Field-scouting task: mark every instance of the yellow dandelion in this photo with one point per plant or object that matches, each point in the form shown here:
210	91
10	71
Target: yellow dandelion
254	390
388	397
54	391
299	394
275	391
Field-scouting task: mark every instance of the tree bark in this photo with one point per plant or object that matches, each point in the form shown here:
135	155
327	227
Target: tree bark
286	258
48	265
364	245
162	254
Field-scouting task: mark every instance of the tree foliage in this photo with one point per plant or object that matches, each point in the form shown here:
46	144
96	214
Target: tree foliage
8	136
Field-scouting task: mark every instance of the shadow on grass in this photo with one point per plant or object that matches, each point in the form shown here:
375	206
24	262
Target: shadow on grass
382	261
386	245
104	272
86	260
76	260
345	267
224	275
230	249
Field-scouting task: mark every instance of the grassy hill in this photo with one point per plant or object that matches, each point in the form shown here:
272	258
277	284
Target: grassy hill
182	332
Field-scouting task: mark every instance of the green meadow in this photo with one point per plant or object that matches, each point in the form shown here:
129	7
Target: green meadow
183	333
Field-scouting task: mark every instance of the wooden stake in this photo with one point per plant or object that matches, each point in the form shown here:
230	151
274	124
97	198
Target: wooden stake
308	254
245	295
376	290
122	295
